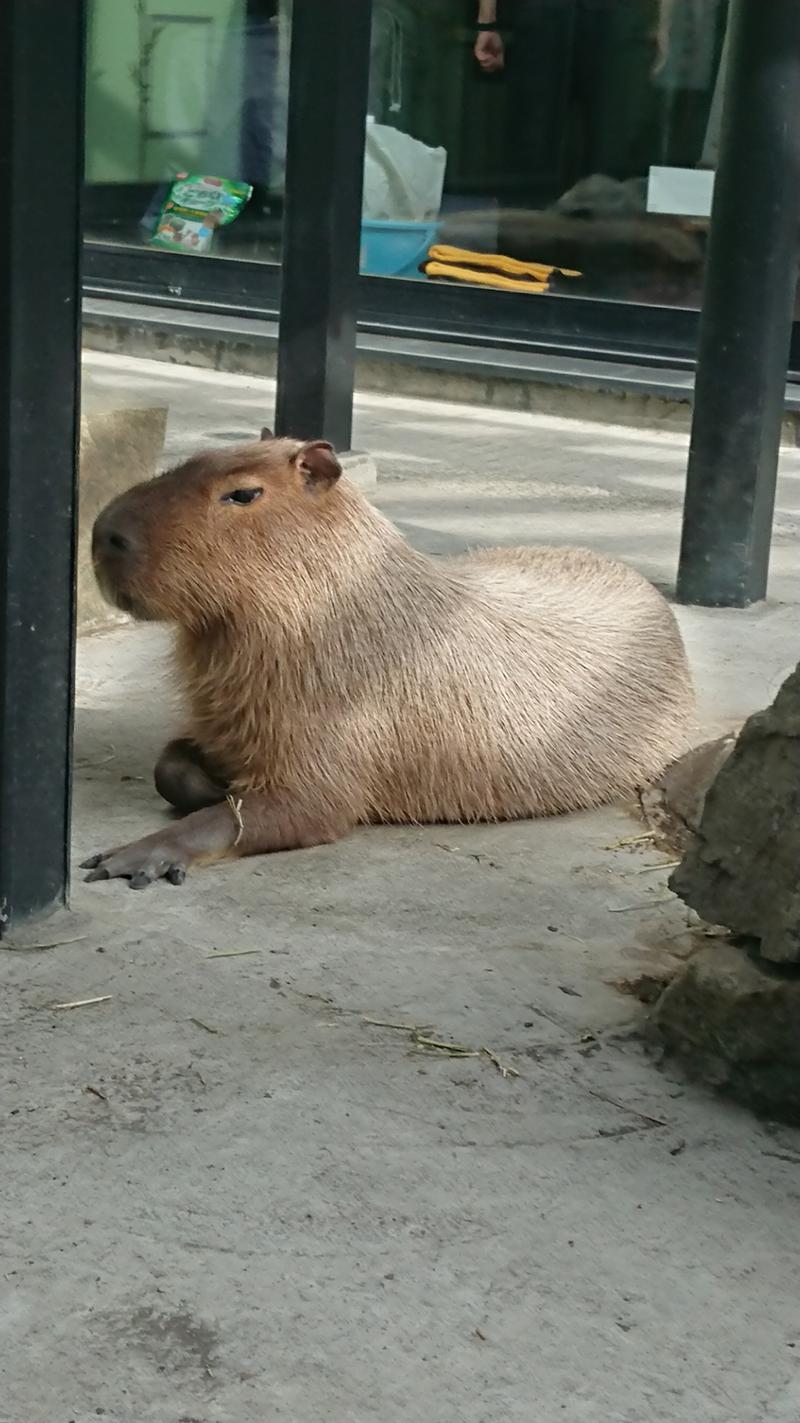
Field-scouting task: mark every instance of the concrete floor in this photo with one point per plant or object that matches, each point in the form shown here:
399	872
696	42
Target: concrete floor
231	1197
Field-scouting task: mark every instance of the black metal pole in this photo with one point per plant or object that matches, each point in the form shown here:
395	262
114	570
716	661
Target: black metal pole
746	320
328	81
41	146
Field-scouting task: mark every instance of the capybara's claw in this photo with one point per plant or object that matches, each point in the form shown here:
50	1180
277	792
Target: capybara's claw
98	872
141	863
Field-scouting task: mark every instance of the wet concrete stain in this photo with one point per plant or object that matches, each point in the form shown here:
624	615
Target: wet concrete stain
171	1340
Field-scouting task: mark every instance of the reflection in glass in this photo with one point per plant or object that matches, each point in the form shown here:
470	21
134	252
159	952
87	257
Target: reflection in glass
554	137
201	90
577	134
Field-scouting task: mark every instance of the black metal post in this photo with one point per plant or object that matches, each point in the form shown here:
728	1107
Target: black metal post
748	302
329	75
41	146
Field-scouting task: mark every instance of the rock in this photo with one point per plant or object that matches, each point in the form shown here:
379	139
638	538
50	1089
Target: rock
646	987
741	867
732	1020
673	806
118	448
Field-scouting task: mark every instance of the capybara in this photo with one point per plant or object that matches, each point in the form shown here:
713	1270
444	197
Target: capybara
335	676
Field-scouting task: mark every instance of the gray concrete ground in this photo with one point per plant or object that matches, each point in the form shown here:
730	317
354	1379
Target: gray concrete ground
236	1192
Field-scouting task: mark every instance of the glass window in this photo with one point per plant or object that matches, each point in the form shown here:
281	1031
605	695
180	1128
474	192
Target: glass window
568	145
578	135
197	87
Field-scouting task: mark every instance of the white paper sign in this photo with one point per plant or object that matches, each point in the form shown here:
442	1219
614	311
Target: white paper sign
684	192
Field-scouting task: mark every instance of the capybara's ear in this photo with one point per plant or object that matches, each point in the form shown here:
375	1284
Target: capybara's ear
318	464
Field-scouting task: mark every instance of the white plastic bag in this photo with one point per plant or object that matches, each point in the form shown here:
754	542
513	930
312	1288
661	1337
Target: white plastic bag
403	178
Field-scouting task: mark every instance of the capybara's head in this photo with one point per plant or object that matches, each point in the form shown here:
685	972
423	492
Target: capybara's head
195	544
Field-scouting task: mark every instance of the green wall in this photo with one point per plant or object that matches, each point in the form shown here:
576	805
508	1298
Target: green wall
162	94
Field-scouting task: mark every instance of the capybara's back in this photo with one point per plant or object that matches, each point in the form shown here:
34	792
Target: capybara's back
556	681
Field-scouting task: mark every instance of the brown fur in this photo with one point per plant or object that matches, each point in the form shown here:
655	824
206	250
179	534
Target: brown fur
327	662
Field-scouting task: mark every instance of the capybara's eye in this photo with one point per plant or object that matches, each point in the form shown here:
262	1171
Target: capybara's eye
241	496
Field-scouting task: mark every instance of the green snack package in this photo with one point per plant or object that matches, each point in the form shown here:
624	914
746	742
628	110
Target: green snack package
193	210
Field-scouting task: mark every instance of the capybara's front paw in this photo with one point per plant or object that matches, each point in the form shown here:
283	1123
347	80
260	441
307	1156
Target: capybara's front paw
155	857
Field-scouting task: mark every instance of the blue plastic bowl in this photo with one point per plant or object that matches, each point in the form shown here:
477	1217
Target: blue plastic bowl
395	249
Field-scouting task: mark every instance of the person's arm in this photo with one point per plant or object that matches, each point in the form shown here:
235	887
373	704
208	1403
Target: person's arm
662	34
489	50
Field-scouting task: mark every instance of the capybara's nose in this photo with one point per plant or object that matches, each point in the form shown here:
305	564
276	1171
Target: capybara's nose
112	536
119	542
